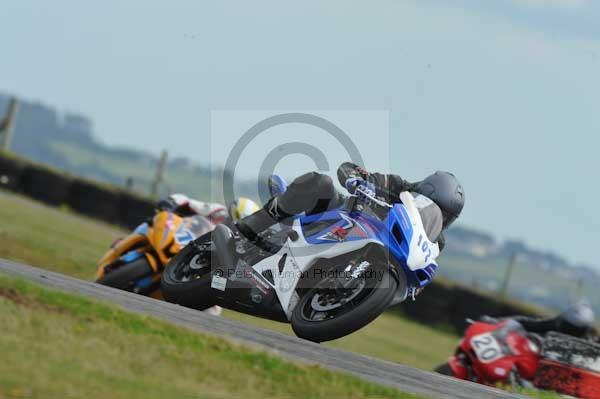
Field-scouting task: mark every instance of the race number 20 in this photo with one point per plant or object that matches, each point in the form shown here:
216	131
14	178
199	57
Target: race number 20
486	347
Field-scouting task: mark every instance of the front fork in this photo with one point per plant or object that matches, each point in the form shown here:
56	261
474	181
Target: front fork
459	367
403	291
516	381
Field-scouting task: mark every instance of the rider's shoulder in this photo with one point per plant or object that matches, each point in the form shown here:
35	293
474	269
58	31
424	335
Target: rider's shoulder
422	201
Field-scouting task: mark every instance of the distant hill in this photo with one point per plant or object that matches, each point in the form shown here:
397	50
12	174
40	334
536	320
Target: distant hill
67	141
541	277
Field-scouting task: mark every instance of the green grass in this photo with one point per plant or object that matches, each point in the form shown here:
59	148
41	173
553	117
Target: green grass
61	241
534	393
56	345
52	238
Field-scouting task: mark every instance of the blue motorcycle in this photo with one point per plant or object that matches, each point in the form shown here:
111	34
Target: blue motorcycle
327	274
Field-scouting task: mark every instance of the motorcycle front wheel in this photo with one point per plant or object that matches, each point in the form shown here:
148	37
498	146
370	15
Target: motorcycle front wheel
444	369
324	312
186	279
126	277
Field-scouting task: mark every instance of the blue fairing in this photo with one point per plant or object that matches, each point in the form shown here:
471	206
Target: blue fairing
141	229
131	256
146	282
183	236
394	233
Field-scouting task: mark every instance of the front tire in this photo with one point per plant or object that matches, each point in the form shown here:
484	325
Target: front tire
444	369
189	287
381	290
128	275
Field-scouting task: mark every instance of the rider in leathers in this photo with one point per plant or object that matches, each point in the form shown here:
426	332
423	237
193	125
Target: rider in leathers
217	213
578	321
439	197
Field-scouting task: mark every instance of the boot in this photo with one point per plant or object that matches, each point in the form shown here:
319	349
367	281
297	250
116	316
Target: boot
251	226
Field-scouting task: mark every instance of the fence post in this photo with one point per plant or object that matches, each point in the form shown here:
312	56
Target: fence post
579	289
511	265
129	184
7	124
158	178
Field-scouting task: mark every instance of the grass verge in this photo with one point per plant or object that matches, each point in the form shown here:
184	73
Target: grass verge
52	238
57	345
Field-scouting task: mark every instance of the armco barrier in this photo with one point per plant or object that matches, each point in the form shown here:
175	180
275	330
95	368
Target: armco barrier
94	200
45	184
133	209
449	304
11	171
434	306
89	198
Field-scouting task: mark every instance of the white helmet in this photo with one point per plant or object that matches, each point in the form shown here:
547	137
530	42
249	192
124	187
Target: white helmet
580	314
241	208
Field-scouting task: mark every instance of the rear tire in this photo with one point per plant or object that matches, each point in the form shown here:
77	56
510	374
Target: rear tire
128	275
193	293
370	307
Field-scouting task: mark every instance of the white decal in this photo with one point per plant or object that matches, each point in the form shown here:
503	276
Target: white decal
486	348
422	252
218	283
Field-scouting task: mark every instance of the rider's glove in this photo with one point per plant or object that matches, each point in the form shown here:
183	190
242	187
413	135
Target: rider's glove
367	188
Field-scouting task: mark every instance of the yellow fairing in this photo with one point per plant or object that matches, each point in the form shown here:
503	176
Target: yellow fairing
162	235
125	245
158	244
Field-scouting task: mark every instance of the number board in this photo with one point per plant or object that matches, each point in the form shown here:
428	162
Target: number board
486	348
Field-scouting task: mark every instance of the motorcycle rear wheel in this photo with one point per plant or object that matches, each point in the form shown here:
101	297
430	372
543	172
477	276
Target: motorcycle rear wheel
363	309
128	275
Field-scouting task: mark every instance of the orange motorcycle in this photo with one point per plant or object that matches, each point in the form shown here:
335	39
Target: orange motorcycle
135	263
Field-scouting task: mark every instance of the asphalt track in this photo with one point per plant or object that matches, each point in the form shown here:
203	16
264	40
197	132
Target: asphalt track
405	378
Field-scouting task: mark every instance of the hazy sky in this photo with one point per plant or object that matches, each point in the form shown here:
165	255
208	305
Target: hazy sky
504	93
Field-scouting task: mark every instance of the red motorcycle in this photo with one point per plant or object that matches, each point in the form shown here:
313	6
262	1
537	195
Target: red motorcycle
496	352
492	353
